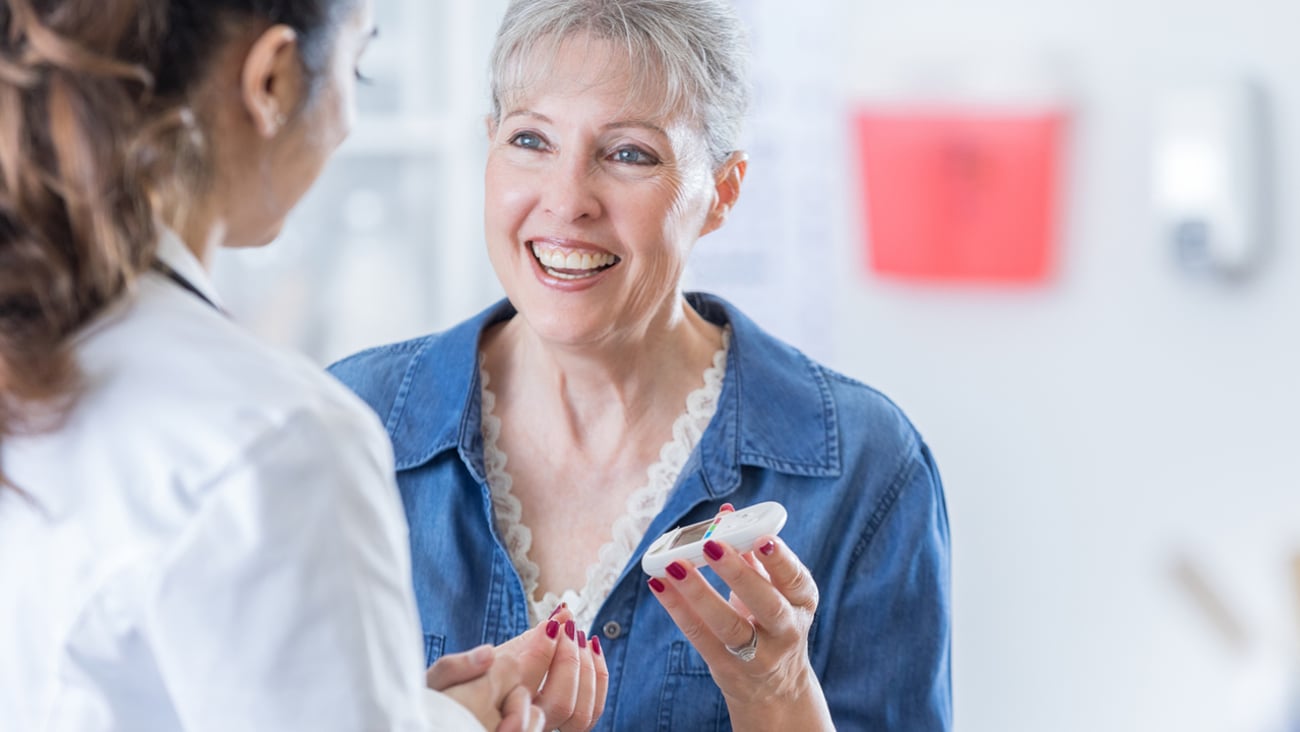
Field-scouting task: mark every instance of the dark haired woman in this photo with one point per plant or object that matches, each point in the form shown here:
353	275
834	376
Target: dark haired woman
195	531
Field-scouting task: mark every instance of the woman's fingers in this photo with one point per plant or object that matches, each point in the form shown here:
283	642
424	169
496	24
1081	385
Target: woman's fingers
534	651
772	593
583	714
708	621
756	641
573	695
516	645
559	695
769	594
788	574
519	714
602	677
751	588
458	668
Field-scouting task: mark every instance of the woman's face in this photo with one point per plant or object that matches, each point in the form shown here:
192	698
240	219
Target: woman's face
288	163
594	200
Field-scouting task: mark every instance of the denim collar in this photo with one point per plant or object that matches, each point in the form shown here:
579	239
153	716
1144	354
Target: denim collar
775	410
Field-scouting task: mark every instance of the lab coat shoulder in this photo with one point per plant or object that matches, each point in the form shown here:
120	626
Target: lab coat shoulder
185	393
237	532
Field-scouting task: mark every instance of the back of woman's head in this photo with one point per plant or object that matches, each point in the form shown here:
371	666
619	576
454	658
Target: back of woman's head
691	52
95	125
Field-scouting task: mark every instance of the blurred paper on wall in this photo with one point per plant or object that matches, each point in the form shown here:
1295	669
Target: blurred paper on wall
960	163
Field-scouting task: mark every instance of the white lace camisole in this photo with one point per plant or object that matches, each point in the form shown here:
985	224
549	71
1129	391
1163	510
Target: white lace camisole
628	530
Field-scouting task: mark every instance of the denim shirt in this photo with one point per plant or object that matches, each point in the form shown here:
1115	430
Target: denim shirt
866	508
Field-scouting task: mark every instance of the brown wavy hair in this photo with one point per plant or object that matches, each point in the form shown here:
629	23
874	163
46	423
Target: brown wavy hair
94	126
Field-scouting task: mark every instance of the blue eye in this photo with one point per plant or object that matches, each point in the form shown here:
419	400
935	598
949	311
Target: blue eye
633	156
527	140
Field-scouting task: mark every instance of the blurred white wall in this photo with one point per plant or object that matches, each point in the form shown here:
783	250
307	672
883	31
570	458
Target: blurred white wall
1090	430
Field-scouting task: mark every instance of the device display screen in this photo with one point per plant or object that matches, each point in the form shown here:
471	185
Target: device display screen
693	533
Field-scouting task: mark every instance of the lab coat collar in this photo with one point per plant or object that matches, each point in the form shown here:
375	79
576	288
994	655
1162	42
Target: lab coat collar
173	253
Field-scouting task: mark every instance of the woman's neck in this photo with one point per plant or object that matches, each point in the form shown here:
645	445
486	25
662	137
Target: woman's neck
202	231
603	392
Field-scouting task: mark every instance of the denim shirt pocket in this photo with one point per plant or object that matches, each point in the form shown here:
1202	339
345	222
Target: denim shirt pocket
434	645
690	700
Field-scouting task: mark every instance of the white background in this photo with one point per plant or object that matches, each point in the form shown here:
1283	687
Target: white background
1091	430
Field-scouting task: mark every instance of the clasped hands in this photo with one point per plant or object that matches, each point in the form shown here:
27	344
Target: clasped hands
550	677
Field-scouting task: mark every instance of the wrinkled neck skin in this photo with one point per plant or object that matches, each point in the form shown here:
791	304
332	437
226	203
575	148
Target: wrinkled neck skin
629	382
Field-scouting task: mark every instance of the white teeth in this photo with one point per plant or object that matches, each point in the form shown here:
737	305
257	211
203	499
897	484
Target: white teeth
565	275
578	265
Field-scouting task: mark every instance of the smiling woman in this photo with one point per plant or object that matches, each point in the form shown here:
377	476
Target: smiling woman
601	405
617	188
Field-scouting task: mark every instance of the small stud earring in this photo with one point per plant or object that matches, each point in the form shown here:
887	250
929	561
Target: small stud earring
277	121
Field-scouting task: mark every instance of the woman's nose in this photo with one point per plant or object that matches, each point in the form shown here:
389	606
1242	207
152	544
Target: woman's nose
570	194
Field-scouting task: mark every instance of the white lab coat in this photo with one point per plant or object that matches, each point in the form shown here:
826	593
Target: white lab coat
213	541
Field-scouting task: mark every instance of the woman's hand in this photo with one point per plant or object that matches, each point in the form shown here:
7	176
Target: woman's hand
491	687
572	694
773	599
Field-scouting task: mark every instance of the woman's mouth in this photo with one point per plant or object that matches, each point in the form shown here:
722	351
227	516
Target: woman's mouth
565	263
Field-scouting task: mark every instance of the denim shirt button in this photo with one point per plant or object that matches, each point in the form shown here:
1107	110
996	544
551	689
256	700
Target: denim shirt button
612	630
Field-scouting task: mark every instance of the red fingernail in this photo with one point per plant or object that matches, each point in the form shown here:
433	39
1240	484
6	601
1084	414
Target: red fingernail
656	585
557	609
568	629
713	550
552	628
726	507
595	645
582	639
768	547
677	571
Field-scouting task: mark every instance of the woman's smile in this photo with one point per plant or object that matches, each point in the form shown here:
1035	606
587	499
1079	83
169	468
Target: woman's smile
569	261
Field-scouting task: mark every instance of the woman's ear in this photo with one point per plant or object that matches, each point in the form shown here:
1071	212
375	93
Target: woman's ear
726	190
271	82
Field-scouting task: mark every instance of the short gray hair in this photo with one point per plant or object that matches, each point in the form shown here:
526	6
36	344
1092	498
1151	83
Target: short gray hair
697	48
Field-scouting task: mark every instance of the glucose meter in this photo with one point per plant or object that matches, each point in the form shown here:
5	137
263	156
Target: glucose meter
736	528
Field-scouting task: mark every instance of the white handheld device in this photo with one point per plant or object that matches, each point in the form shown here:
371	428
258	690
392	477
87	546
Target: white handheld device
738	529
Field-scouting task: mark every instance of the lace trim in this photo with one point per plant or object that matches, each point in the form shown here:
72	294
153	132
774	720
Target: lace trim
642	506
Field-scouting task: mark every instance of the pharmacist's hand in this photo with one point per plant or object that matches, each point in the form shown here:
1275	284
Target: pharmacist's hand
755	642
572	696
493	689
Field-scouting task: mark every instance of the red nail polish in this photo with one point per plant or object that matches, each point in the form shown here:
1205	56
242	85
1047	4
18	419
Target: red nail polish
677	571
557	609
595	645
656	585
713	550
552	628
569	628
726	507
582	639
768	547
